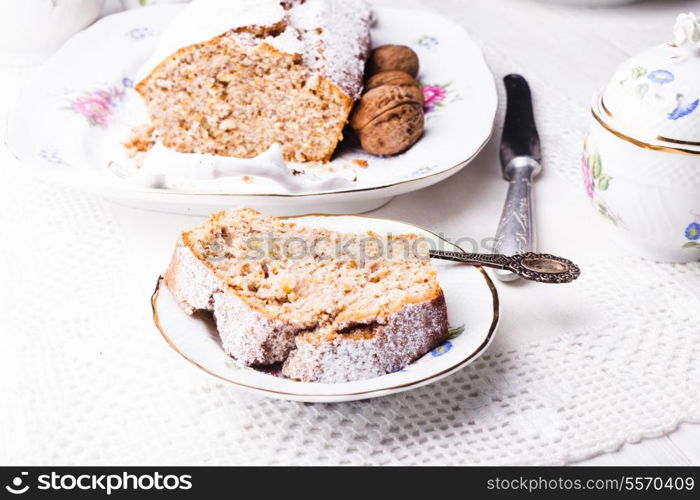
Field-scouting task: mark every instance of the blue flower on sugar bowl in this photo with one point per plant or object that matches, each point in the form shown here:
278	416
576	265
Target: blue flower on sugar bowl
692	232
646	131
661	76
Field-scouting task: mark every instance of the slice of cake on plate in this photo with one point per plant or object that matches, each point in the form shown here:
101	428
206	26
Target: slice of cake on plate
333	307
233	77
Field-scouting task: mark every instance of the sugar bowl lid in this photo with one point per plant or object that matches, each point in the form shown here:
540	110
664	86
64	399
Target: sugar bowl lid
655	95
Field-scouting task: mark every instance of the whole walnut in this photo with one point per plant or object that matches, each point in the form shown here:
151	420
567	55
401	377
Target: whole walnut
393	57
389	119
393	77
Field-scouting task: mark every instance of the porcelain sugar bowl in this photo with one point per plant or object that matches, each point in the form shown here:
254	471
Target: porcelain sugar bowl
641	160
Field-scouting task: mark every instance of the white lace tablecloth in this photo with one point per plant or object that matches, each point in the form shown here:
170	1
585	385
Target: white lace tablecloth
575	370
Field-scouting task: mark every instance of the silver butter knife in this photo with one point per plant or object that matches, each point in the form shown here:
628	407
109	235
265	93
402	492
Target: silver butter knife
520	160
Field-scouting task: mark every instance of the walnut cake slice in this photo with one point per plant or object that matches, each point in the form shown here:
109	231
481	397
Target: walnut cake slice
333	307
231	78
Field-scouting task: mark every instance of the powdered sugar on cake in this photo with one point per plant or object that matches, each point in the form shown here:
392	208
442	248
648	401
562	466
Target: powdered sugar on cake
329	317
343	44
203	20
320	30
400	339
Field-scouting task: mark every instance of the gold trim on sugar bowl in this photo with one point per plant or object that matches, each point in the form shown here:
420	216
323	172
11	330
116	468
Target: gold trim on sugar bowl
644	143
658	138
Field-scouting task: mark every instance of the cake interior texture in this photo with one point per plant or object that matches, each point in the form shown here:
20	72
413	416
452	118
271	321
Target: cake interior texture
332	306
253	86
314	277
220	98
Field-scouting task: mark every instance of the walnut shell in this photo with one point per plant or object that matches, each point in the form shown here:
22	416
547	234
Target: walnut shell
393	132
393	57
389	119
393	77
381	99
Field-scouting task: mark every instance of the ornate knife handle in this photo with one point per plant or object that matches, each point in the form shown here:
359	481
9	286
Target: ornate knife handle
516	232
540	267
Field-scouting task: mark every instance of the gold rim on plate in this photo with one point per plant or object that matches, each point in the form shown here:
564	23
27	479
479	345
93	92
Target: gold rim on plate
479	350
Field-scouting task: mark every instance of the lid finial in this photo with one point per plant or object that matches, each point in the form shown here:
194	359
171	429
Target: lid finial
686	33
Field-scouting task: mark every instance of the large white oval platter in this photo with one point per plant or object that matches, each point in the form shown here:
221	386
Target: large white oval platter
472	306
76	113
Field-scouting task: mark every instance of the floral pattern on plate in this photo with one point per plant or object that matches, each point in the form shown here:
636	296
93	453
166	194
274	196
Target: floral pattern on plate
98	105
419	172
428	42
52	156
140	33
434	96
437	96
446	346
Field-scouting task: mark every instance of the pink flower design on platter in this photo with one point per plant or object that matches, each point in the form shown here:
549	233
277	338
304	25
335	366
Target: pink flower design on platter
94	108
434	96
98	105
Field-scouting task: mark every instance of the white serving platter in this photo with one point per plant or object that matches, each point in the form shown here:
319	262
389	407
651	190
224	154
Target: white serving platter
70	124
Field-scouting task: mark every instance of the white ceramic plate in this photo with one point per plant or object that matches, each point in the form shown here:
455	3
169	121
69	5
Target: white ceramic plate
74	116
472	306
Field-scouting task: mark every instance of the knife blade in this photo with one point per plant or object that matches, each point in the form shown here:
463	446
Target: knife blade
520	160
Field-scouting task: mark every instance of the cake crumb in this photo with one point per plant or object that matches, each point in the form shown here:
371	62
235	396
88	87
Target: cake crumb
141	138
360	163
